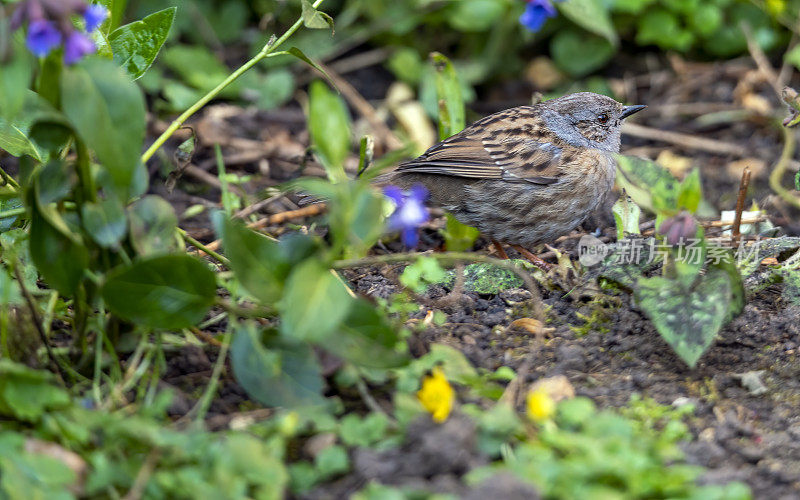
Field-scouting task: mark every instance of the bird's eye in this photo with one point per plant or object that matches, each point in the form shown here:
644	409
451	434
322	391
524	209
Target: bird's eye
603	118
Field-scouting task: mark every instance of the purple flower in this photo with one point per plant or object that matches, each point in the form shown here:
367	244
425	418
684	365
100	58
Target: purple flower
536	13
42	37
678	228
410	212
94	16
77	46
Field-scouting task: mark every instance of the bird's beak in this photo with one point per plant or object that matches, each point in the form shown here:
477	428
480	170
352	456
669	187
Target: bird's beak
629	110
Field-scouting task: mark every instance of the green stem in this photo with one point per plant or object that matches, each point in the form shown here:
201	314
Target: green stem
776	176
265	52
244	312
7	179
85	172
188	239
203	405
13	212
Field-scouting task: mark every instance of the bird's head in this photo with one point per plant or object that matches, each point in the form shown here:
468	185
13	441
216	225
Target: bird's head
586	119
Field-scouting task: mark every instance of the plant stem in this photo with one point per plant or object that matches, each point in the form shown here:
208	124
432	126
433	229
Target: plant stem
202	406
776	176
7	179
13	212
265	52
85	172
188	239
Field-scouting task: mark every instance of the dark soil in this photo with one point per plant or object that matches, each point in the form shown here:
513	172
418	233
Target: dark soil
739	435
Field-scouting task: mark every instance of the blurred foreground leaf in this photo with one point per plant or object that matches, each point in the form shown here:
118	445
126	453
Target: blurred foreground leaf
169	292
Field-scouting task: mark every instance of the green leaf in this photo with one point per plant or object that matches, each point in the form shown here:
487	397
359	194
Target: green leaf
366	338
626	216
662	28
472	16
688	318
16	75
591	15
15	142
355	217
59	255
169	292
275	372
458	237
451	101
200	68
329	126
357	431
105	221
136	45
690	192
152	226
648	184
579	53
314	19
314	304
260	263
332	460
793	56
26	393
107	110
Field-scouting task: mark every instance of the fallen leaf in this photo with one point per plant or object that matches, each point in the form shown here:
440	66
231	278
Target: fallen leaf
558	388
676	164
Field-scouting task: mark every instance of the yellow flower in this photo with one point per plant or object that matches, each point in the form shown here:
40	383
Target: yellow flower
540	405
437	395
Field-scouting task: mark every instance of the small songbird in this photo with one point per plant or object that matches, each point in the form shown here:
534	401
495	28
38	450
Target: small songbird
526	175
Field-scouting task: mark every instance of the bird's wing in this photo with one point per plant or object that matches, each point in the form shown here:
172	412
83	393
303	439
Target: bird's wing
498	149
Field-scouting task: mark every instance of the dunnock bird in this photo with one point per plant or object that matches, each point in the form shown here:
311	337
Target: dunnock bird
526	175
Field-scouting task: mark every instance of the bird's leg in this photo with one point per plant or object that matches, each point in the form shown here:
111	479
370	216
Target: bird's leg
536	261
499	249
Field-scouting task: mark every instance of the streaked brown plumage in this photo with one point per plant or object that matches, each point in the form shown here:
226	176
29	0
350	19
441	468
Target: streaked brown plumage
525	175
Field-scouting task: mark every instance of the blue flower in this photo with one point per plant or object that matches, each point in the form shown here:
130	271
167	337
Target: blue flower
77	46
536	13
42	37
409	213
94	16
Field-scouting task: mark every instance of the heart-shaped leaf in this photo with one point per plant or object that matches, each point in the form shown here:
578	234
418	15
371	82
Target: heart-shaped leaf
688	318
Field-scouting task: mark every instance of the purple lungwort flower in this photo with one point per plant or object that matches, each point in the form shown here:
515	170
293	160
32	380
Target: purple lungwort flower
536	13
94	16
77	46
43	36
410	212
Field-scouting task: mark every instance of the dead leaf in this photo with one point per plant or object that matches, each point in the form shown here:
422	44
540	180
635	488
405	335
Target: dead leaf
543	74
558	388
735	168
71	459
676	164
532	325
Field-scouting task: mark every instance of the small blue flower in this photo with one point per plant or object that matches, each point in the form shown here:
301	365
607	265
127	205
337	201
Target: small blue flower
410	212
42	37
536	13
94	16
77	46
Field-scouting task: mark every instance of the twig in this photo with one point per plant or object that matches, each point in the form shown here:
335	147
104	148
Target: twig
761	60
684	140
309	211
370	401
737	220
255	207
451	257
205	337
